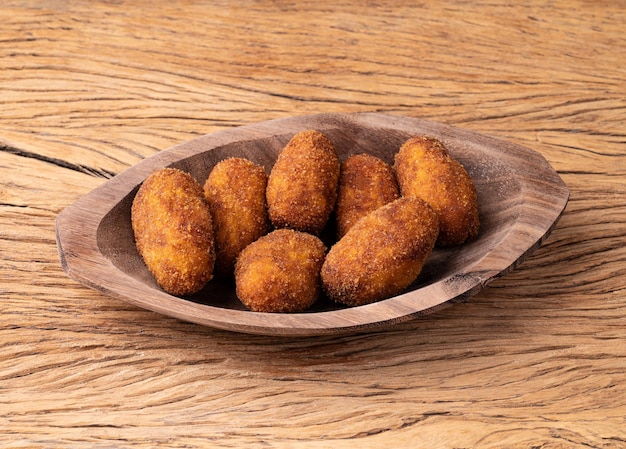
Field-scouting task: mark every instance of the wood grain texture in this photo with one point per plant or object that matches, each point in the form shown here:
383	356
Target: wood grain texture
88	89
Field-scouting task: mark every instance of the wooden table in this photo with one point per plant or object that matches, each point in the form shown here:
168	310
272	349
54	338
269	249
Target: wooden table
536	360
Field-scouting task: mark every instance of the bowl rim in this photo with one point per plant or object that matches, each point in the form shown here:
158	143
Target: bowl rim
544	197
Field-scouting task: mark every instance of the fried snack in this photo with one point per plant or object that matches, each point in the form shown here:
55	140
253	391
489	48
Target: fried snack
382	254
365	184
280	272
425	169
173	231
302	186
235	191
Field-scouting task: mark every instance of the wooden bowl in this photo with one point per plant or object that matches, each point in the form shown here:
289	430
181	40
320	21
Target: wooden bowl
520	196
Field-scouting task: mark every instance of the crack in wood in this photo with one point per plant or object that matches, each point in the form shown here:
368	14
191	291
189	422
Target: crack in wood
97	172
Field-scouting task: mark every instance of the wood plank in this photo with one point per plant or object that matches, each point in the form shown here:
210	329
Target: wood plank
88	89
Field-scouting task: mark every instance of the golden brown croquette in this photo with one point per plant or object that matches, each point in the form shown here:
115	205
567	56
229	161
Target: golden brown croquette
302	186
173	231
365	184
235	191
425	169
382	254
280	272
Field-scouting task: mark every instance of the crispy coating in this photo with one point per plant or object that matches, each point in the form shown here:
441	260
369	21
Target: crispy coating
302	186
382	254
365	184
235	191
173	231
425	168
280	272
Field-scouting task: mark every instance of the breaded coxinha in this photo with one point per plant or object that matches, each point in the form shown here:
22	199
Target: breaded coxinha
173	231
382	254
365	184
425	169
302	186
280	272
235	191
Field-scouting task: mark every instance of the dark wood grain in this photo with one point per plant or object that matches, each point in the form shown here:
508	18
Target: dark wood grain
520	199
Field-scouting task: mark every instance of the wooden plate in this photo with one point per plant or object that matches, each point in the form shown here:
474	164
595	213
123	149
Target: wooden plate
521	198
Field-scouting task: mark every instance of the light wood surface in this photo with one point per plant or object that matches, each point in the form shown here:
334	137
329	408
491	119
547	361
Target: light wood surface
535	360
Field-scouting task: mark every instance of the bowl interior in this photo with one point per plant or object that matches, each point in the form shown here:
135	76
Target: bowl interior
499	196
